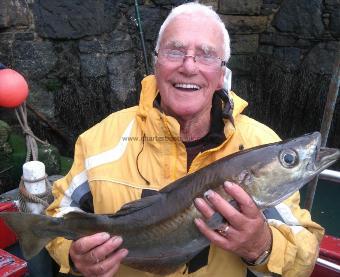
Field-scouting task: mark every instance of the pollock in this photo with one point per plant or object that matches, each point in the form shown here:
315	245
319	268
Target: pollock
159	230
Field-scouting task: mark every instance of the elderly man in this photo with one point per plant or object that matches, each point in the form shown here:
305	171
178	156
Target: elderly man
180	102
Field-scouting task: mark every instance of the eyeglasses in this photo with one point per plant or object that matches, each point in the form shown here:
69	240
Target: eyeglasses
205	61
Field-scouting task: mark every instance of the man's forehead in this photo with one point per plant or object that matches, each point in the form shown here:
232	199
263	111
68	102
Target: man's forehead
196	32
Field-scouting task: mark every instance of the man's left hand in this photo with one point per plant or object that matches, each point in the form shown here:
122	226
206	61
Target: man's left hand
248	234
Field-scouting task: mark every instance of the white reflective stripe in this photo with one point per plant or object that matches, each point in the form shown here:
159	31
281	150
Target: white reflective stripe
274	222
286	214
277	223
289	218
123	183
102	158
76	182
296	229
112	154
67	210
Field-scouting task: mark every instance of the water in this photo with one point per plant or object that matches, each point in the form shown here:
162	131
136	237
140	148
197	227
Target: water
326	206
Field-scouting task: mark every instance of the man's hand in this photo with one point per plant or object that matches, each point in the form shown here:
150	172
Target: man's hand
97	255
248	235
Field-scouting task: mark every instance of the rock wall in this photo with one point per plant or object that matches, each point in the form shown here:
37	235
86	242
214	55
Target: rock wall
83	59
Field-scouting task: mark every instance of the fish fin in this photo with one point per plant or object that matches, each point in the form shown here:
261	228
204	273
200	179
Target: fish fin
137	205
77	215
166	262
160	265
25	226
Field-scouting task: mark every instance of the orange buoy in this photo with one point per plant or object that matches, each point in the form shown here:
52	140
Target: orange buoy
13	88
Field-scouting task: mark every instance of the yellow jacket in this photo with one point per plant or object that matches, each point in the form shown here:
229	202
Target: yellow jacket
105	168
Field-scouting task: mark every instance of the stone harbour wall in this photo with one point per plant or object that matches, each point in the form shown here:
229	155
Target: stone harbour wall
83	59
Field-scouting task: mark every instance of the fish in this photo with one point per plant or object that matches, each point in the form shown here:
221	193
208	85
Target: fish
159	230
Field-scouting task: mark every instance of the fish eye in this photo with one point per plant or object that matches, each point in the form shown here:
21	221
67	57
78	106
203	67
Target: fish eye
288	158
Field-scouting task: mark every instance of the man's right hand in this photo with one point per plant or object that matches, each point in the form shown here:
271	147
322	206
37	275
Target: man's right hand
97	255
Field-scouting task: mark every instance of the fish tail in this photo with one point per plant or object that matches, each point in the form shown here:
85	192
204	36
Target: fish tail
31	230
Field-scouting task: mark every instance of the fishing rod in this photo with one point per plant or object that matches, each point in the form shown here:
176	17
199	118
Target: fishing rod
139	25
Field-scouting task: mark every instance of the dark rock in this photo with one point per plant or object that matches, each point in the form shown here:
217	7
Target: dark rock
276	2
25	36
122	75
244	24
268	9
287	99
93	65
282	39
243	44
289	55
151	20
68	64
14	13
322	57
34	58
266	49
332	3
62	19
114	42
6	54
117	41
300	17
90	46
239	64
334	23
170	2
42	100
246	7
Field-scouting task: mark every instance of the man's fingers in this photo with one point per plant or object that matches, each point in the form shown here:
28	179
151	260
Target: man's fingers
85	244
246	204
232	215
204	208
110	265
213	236
100	252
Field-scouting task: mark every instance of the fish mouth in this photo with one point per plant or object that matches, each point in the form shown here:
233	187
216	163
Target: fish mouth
326	157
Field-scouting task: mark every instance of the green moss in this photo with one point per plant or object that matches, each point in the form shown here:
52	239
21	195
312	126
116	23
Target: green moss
66	164
17	142
53	85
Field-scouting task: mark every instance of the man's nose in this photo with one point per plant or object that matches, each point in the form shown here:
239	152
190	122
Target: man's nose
189	65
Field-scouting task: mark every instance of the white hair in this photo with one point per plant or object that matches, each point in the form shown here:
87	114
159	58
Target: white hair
193	8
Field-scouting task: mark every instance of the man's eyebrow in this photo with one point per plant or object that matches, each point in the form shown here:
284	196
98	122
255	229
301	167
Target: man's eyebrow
207	48
179	44
175	44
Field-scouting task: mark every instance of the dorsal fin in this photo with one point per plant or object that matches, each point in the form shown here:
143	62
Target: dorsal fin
137	205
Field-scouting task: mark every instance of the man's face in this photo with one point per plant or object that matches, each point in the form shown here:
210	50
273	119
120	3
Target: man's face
186	88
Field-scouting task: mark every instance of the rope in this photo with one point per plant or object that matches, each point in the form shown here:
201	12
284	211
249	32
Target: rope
31	139
32	150
40	198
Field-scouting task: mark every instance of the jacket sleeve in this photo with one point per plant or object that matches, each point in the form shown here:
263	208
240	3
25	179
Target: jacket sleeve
296	240
67	199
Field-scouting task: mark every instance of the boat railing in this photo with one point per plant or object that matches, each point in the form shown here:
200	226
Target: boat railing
330	175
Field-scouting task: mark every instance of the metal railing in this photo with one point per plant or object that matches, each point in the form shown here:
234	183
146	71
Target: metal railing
330	175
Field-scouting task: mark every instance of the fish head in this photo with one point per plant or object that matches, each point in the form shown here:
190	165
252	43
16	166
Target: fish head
287	166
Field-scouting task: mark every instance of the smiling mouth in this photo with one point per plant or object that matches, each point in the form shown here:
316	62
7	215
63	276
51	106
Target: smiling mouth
187	87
